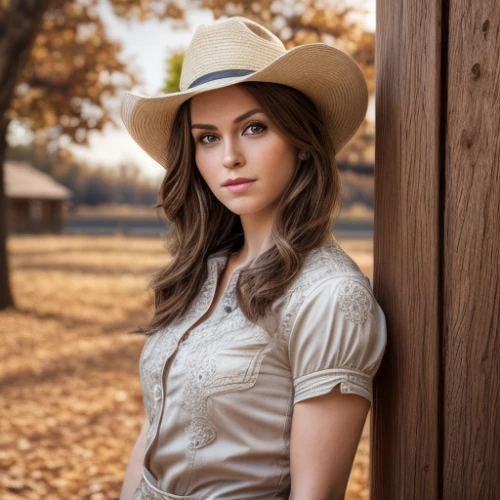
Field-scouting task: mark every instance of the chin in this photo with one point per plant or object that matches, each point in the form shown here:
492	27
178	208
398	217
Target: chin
240	207
246	208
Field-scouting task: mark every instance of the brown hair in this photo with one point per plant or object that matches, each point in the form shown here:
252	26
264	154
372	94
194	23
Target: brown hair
202	225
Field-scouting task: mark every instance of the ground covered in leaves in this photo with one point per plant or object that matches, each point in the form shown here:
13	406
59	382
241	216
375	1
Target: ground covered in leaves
69	384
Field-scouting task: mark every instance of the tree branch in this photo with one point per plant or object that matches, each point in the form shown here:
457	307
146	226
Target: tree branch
19	25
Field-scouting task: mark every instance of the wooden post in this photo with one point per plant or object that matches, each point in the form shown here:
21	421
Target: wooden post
436	412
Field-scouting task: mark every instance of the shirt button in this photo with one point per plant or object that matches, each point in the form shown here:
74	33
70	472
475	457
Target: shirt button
228	309
157	392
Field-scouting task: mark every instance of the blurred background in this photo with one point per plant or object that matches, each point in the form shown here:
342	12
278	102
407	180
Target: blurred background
79	234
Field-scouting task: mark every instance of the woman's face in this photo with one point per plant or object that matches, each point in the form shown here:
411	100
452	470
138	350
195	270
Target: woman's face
235	138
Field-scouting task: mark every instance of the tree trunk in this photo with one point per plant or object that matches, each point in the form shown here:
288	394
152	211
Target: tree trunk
5	293
19	24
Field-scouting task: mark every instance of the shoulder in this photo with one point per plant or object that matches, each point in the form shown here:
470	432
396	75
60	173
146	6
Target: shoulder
324	267
327	262
329	275
334	329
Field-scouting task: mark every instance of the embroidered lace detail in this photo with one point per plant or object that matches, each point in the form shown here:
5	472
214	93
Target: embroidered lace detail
354	301
143	492
197	358
333	257
204	377
200	430
323	262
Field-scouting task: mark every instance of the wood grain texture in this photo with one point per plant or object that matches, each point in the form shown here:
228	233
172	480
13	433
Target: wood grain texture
434	429
405	430
471	341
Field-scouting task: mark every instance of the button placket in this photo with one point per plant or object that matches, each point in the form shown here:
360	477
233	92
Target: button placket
207	295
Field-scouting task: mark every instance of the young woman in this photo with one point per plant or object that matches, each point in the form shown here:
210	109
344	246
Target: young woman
258	366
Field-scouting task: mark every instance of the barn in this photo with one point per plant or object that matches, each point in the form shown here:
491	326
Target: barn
35	201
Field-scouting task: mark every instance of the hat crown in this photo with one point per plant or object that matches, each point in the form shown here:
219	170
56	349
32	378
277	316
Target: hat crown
228	47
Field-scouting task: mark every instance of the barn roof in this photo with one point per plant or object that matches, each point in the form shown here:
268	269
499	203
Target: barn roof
24	181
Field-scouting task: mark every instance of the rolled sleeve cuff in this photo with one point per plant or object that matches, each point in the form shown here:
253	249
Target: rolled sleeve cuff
323	381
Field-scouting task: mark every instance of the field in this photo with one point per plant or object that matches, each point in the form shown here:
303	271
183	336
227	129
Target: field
71	398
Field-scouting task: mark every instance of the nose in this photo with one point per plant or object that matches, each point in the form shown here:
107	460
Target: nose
233	157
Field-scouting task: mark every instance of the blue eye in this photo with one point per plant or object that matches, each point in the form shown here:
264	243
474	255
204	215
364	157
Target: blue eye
252	124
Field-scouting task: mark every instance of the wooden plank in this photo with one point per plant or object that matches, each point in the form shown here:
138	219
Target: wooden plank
472	254
405	422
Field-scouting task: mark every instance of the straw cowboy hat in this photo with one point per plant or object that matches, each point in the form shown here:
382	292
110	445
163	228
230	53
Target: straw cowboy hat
236	49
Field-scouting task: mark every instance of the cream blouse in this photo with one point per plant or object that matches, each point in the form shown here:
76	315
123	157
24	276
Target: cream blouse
220	397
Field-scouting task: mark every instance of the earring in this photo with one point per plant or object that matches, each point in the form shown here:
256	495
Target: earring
304	155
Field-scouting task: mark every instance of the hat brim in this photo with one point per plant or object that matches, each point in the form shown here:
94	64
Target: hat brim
328	76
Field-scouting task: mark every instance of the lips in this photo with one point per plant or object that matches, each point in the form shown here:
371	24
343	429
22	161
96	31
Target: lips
238	188
238	180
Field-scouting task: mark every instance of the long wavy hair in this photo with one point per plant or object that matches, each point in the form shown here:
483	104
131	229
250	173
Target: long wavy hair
202	225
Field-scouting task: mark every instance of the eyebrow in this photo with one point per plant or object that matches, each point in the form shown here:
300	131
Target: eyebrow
236	120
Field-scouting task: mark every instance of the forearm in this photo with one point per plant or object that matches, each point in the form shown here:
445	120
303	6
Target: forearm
134	467
312	496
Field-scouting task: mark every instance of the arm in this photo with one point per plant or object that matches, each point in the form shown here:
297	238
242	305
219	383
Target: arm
133	472
338	337
325	434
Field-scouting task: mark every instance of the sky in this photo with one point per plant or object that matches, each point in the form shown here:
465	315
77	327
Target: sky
146	46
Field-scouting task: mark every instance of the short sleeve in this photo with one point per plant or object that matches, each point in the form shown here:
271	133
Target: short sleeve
338	336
